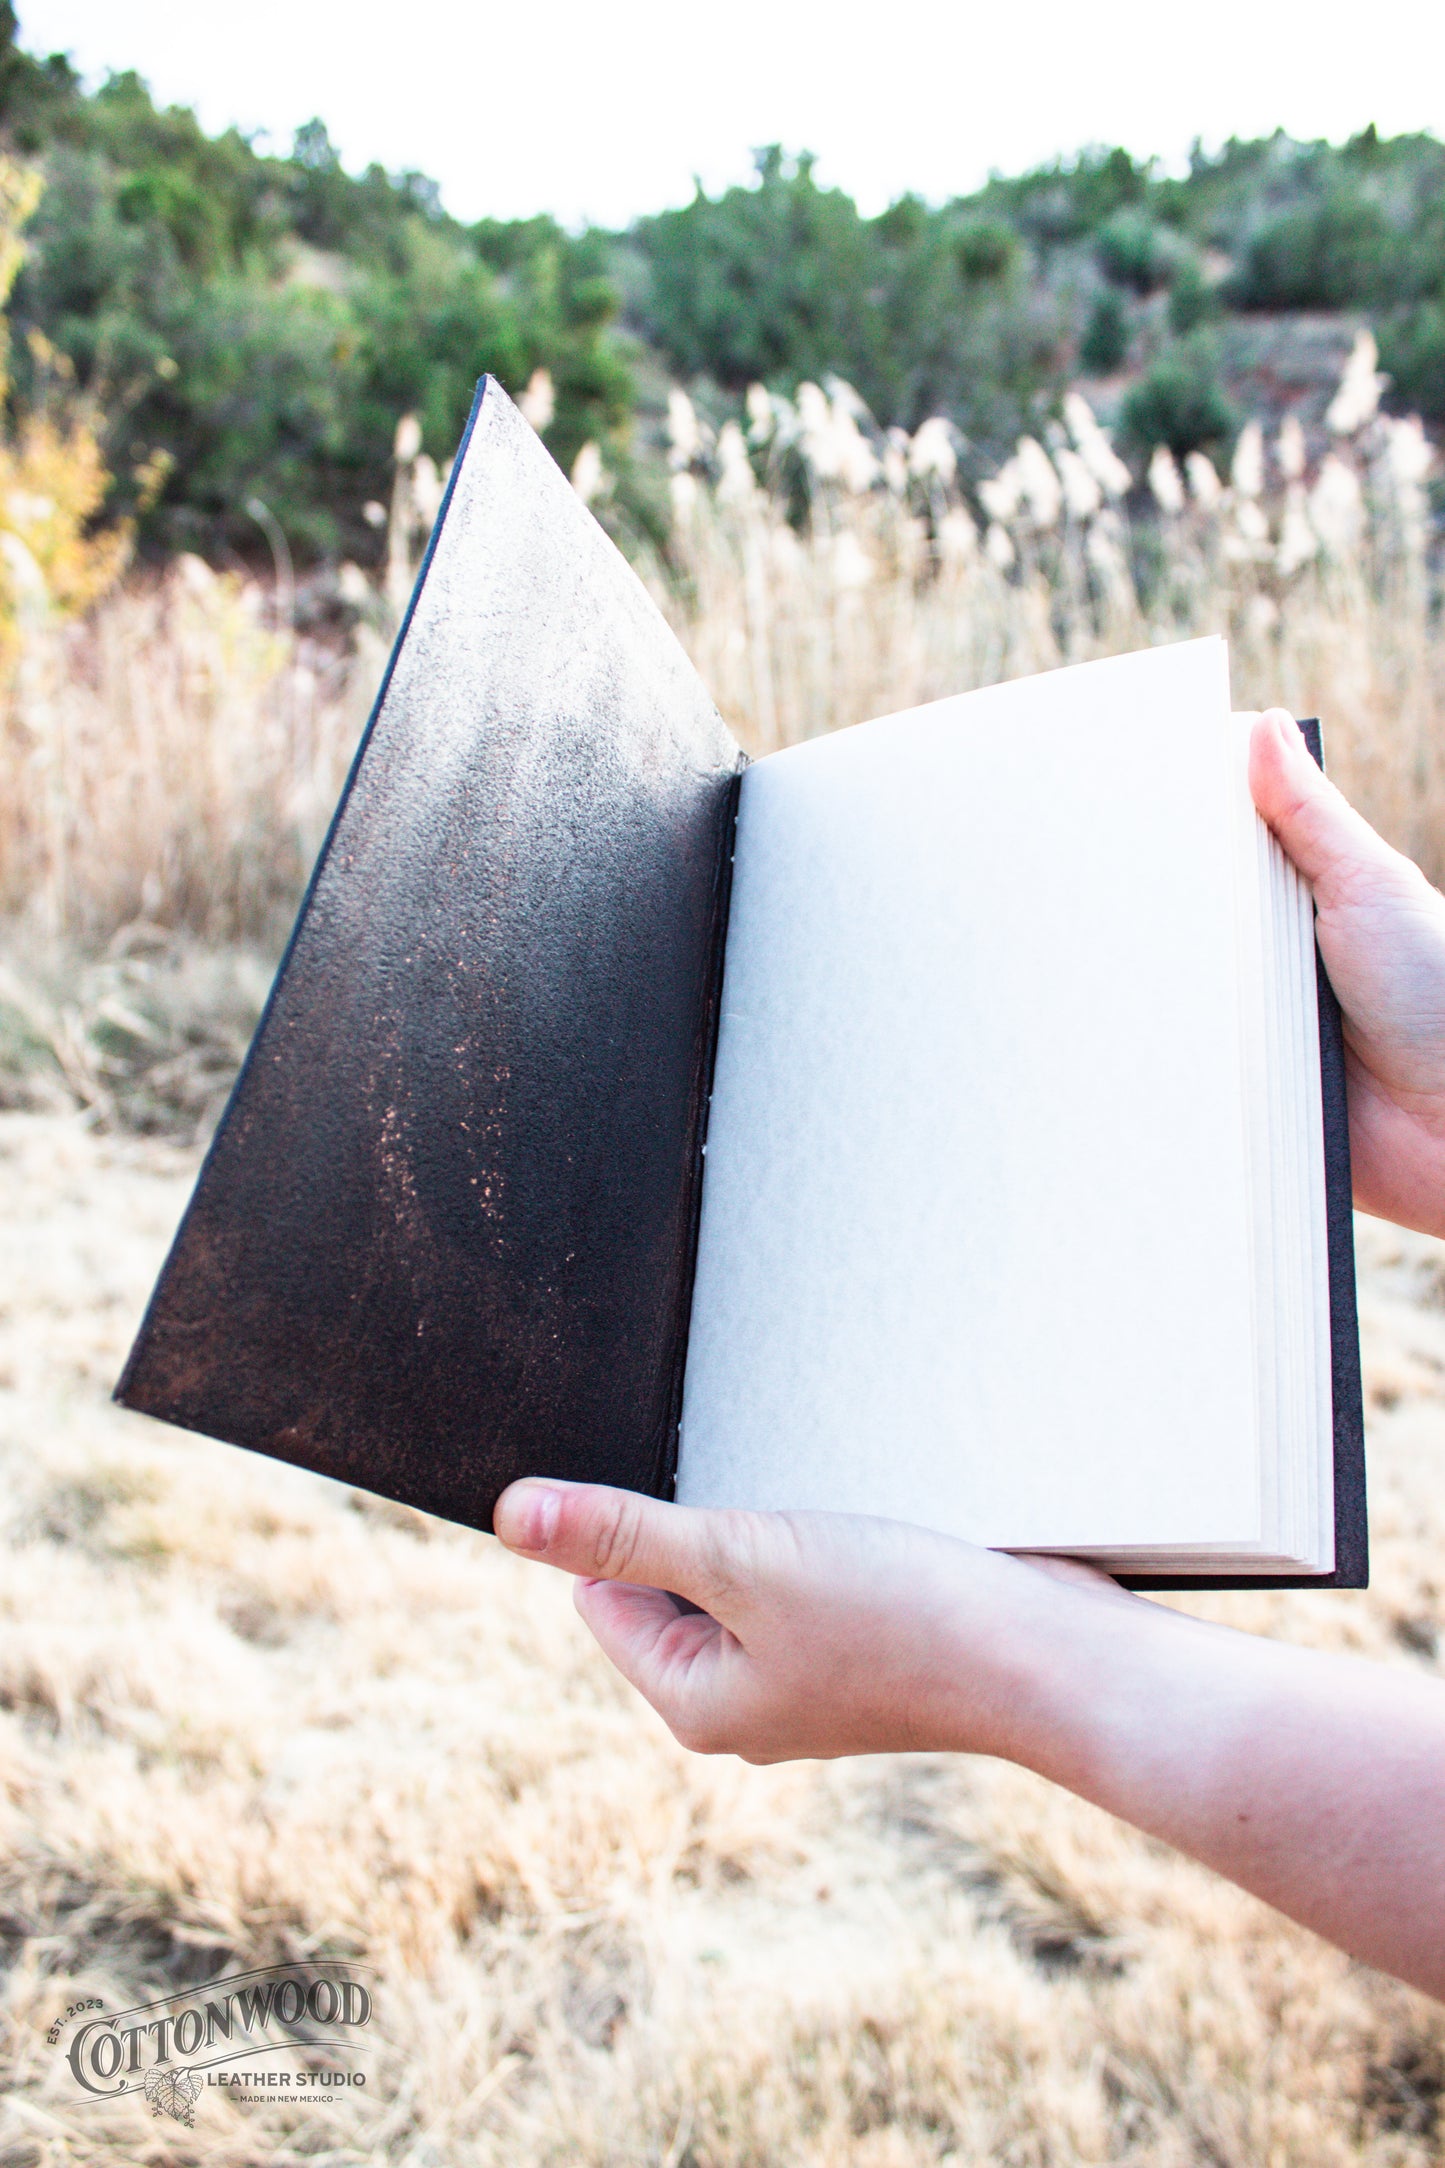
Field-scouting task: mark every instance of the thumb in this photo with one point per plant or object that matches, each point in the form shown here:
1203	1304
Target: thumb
618	1535
1334	847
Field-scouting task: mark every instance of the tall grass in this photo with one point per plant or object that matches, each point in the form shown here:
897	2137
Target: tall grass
901	584
170	758
173	758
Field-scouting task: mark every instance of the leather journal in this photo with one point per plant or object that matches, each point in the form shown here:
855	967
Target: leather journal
932	1119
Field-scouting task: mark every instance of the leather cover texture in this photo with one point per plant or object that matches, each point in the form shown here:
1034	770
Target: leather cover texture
1352	1535
445	1233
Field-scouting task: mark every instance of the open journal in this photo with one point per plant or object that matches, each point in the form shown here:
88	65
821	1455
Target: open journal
941	1119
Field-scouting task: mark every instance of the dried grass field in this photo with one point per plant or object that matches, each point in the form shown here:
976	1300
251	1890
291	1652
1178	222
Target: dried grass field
246	1715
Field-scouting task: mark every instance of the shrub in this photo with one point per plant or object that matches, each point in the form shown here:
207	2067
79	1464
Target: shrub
56	556
1193	299
1335	254
1106	335
1412	352
762	283
262	404
1135	253
1180	402
986	250
262	322
921	310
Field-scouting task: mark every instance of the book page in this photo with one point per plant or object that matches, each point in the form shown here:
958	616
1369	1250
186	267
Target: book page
975	1238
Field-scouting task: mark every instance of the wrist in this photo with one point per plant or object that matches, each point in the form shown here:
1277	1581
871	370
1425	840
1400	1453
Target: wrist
1150	1714
1050	1673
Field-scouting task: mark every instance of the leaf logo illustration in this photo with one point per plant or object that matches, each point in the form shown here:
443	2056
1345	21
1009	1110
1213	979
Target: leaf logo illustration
173	2093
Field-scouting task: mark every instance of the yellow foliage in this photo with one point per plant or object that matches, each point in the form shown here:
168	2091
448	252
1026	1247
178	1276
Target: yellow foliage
20	188
53	477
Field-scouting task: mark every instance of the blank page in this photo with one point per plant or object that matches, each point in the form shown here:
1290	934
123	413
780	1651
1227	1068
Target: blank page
975	1238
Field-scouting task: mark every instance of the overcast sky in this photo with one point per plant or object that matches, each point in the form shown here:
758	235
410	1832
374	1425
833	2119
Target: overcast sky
605	108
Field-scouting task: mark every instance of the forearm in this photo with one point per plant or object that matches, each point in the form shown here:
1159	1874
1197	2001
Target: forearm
1316	1782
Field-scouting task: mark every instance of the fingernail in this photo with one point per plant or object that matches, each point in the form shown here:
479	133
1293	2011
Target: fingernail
1286	729
527	1515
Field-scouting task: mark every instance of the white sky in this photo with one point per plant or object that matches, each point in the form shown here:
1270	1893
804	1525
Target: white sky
605	108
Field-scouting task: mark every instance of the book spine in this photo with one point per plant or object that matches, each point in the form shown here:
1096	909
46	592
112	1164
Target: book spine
1352	1541
666	1476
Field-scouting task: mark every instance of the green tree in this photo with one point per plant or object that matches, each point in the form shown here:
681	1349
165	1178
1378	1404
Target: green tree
263	321
761	283
1335	254
1136	253
1412	350
1105	343
1193	299
921	309
1180	402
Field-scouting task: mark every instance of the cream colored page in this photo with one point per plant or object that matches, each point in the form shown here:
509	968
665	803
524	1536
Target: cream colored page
974	1246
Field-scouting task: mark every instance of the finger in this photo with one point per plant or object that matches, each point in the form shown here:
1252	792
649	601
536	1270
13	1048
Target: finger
652	1643
617	1535
1332	845
688	1666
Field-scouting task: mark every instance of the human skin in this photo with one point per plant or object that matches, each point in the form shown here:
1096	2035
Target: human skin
1315	1781
1381	929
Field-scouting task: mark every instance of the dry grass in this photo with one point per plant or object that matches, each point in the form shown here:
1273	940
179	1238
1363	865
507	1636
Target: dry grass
245	1714
892	594
790	652
169	761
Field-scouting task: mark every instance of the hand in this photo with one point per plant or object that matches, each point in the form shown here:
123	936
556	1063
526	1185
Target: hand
819	1633
1318	1782
1381	931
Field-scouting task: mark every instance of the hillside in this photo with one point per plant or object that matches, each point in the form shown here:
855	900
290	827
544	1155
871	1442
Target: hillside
254	325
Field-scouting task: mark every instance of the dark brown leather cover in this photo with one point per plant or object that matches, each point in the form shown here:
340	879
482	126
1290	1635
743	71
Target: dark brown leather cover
1352	1535
445	1233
